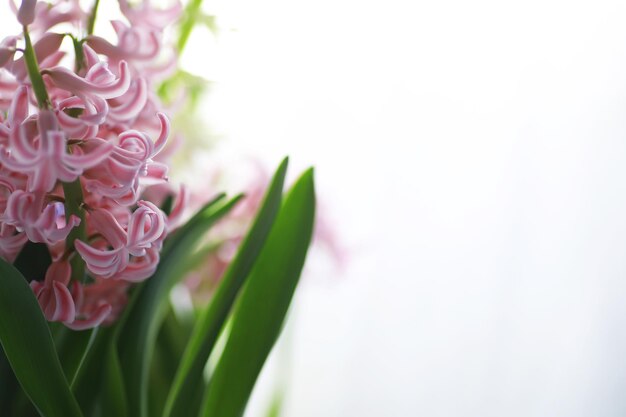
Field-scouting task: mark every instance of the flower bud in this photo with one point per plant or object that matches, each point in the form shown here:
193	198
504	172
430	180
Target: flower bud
26	13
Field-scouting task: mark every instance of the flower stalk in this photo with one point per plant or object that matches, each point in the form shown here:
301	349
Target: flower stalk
72	190
36	80
91	23
74	206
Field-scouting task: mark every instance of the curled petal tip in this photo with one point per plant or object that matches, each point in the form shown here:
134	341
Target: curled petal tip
165	132
94	320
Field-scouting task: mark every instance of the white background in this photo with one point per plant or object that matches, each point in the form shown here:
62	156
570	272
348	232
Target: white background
475	155
473	158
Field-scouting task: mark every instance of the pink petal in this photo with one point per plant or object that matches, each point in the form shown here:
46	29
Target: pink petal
93	321
66	79
65	309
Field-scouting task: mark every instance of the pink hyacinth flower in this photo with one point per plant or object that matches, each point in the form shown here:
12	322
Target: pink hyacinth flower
26	12
7	50
54	298
101	293
89	313
49	14
11	242
147	15
105	262
46	51
26	212
118	176
17	113
46	160
140	268
146	230
99	81
133	43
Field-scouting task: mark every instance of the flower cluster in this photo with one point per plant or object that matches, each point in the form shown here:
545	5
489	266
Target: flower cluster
78	147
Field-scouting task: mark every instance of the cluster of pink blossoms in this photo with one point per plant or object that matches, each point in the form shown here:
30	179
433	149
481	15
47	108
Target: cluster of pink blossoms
100	134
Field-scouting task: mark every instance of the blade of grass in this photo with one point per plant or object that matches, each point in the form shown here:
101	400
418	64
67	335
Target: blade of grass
263	304
190	373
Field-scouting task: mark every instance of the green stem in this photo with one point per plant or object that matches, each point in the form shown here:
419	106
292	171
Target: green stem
72	190
80	54
91	23
39	88
188	22
73	206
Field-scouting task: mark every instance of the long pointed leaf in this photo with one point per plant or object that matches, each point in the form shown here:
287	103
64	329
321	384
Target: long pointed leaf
76	345
114	402
189	376
137	336
28	346
89	378
263	304
9	386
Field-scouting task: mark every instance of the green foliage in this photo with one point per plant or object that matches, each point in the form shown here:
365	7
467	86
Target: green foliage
140	324
28	346
181	400
264	302
151	362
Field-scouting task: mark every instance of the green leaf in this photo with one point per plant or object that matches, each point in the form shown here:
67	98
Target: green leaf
190	373
114	401
76	345
142	318
28	346
89	379
169	349
276	406
9	387
263	304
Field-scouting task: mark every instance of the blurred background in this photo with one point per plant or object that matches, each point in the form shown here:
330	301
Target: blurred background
471	159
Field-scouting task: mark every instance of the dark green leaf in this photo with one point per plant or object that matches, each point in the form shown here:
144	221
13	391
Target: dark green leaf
28	346
76	345
113	394
89	379
169	349
9	386
263	304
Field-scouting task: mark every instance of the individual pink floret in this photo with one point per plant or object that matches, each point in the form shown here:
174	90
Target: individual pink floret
29	213
118	176
53	295
42	154
145	14
146	230
99	81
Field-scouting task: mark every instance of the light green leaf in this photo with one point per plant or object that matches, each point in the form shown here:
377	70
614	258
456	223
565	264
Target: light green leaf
29	348
184	397
263	304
